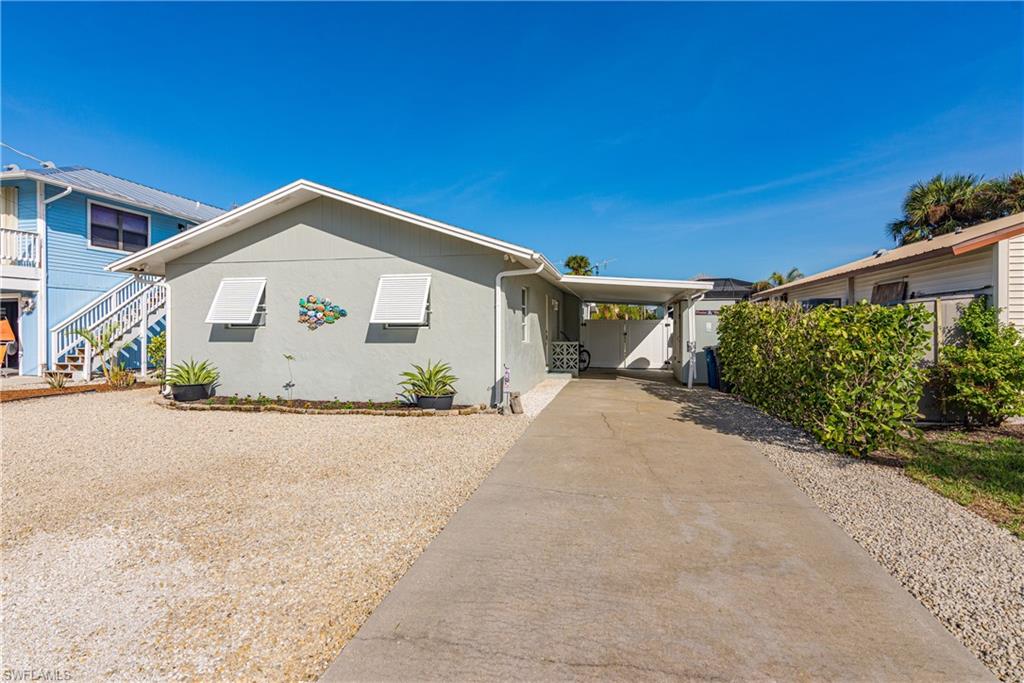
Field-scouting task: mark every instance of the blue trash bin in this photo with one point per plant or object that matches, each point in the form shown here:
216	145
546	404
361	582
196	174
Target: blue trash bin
713	379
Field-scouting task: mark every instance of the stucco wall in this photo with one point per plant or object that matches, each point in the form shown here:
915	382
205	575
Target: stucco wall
331	249
528	360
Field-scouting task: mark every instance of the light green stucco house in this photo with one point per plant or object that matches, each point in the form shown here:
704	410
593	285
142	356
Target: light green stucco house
413	289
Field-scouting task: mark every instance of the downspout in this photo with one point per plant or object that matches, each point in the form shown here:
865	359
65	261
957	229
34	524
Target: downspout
45	360
68	190
499	320
691	342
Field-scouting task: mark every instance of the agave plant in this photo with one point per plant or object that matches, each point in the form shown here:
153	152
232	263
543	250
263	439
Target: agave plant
191	372
434	380
56	380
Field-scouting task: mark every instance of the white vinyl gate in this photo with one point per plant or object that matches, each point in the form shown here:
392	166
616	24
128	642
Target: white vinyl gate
634	344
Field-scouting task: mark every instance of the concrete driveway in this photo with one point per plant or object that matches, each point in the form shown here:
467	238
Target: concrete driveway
617	539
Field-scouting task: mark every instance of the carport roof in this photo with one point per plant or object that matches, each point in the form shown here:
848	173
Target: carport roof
627	290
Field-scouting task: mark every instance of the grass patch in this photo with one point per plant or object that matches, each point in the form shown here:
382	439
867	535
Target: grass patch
982	470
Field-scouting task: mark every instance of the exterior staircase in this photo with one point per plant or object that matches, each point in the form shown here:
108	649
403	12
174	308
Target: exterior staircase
130	308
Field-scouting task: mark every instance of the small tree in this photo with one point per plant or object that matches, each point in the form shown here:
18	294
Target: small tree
981	374
156	355
103	345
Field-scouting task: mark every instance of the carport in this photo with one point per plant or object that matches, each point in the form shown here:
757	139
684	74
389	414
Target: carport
667	343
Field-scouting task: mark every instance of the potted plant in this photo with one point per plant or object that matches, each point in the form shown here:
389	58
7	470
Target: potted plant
432	387
191	381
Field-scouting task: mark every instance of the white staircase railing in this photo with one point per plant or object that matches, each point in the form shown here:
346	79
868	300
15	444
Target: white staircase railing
126	306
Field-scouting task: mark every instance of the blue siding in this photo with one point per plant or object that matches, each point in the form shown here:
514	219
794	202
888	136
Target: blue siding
26	202
74	270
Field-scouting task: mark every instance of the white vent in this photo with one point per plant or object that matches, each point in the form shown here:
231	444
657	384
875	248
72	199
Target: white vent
236	301
401	300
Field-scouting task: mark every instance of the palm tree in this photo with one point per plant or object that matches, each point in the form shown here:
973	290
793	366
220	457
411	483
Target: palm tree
102	343
578	264
1002	196
939	206
777	279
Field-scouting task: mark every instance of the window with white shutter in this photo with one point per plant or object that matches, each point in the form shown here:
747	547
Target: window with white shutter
401	300
9	218
237	301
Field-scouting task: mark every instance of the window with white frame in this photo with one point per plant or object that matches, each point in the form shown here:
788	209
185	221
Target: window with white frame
9	218
524	304
117	229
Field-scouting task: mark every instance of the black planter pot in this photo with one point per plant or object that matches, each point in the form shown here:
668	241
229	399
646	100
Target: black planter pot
435	402
190	392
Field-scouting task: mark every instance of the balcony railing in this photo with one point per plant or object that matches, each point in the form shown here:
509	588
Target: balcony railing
19	248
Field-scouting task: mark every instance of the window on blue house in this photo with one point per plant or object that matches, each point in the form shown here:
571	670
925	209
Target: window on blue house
111	228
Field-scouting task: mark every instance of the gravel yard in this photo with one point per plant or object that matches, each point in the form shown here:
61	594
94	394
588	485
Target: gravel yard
966	570
145	542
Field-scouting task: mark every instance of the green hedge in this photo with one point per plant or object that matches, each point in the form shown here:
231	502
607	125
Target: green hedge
850	376
980	374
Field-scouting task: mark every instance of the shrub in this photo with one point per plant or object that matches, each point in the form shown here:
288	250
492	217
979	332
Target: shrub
55	379
157	351
182	374
120	376
852	377
434	380
980	374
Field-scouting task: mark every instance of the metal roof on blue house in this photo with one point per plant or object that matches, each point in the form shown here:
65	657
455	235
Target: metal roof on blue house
87	179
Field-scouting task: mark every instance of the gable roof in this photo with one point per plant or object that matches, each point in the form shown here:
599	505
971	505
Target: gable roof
91	181
155	258
950	244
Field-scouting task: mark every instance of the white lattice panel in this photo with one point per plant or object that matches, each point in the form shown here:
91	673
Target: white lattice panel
565	357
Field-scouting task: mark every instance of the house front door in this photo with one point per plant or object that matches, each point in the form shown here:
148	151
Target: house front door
9	313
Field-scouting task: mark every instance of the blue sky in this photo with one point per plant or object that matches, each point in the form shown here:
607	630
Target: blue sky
673	139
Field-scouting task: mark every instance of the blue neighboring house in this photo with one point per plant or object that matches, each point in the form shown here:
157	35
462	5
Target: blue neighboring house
60	227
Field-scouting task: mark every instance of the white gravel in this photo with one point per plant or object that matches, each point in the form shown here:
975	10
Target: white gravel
966	570
146	543
537	399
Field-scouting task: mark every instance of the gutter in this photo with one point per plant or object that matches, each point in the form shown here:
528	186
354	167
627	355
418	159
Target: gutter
499	320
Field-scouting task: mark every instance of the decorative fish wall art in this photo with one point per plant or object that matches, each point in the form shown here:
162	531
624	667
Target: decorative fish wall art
316	311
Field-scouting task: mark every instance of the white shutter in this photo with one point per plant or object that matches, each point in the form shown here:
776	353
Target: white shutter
236	301
9	217
401	300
